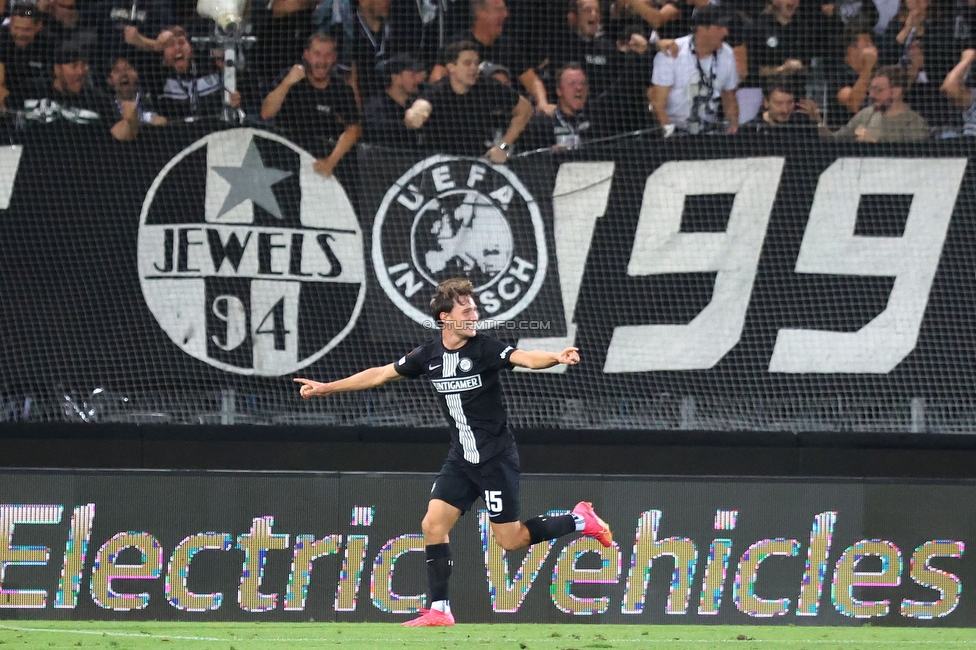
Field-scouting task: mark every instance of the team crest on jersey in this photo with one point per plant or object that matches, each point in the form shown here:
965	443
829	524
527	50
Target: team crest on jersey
449	217
464	364
248	259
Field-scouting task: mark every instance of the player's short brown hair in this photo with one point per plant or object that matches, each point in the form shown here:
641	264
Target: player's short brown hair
448	293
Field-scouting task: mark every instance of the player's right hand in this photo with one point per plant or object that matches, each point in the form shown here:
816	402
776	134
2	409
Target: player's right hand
311	388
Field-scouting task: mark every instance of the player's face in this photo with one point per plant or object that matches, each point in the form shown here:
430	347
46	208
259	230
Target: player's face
319	59
463	317
780	106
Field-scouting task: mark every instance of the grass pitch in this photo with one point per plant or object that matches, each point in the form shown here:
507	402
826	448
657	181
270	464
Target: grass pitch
254	636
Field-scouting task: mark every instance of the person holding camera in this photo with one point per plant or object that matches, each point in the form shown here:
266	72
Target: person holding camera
26	55
688	89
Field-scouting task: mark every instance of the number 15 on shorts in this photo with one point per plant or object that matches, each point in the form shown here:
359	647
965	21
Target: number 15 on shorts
493	501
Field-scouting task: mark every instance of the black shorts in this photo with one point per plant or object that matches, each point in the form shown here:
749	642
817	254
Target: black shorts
460	484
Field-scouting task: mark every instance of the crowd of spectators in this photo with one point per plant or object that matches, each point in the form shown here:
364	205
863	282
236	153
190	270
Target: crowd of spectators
486	77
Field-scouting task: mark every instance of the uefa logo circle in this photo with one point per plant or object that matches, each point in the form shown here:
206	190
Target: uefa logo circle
450	216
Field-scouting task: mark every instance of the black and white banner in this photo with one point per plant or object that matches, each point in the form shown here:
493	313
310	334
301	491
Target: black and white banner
741	268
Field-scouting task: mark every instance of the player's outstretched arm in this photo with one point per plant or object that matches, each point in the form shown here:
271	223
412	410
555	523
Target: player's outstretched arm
539	359
369	378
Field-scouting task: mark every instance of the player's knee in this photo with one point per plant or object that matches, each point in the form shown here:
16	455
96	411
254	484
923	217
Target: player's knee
432	528
510	543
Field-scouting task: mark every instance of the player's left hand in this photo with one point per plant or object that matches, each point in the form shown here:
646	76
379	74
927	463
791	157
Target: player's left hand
569	356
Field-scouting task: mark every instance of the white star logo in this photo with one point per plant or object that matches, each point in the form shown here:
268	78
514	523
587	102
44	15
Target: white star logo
251	181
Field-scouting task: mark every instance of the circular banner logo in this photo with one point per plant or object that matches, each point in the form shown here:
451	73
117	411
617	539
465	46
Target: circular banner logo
460	217
248	259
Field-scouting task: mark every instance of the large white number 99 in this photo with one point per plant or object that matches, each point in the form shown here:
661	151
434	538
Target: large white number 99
831	247
660	247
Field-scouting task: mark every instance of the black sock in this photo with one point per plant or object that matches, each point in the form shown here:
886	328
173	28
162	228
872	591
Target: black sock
544	527
439	563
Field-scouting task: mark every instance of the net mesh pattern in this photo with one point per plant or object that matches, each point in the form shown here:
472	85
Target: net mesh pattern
197	209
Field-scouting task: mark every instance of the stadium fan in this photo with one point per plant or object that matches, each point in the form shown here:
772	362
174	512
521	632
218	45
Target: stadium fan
570	125
119	28
463	112
60	16
584	42
463	365
782	114
622	107
664	19
848	81
384	113
367	38
190	90
921	40
781	42
69	99
962	97
281	28
683	23
123	82
887	119
494	45
26	54
314	107
687	90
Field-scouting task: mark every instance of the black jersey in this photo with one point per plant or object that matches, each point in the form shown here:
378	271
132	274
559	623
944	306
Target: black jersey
467	381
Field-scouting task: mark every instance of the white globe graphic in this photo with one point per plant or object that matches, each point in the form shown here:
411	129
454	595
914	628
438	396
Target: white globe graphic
462	232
